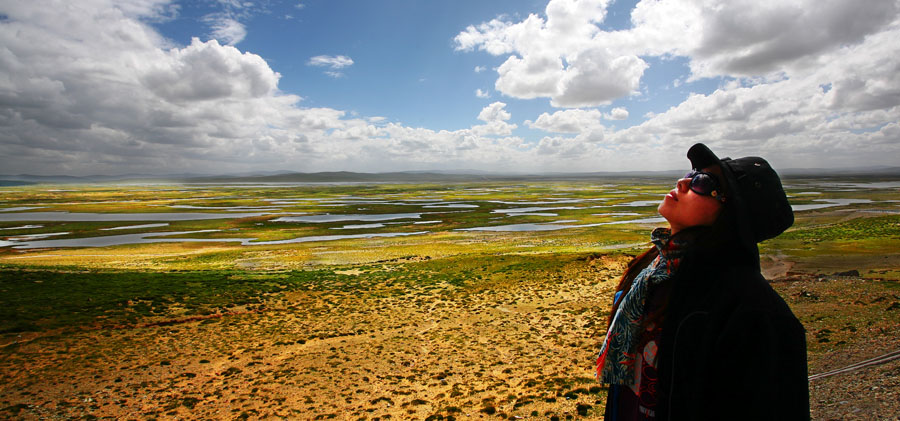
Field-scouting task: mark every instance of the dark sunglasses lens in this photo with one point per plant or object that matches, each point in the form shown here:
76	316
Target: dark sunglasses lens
703	184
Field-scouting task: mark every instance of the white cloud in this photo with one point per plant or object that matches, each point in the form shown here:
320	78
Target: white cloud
334	63
556	57
106	94
567	58
482	94
205	71
816	82
618	113
494	112
595	76
226	29
494	128
568	121
109	94
747	38
479	69
794	121
90	87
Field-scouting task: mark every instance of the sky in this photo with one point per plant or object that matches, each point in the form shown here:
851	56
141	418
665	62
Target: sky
111	87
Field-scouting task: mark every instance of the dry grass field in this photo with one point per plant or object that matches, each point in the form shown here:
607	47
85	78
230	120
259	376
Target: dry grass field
446	318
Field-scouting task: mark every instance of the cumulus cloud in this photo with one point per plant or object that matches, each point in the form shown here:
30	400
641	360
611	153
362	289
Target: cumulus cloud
749	38
108	93
90	87
567	58
556	57
618	113
105	93
204	71
805	79
495	116
482	94
568	121
794	120
494	112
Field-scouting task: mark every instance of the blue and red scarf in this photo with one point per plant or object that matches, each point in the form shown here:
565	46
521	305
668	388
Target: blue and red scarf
615	364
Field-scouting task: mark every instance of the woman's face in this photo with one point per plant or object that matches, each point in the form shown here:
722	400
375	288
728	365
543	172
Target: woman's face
684	208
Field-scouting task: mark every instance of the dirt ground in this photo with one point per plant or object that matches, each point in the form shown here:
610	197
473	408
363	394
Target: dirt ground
507	349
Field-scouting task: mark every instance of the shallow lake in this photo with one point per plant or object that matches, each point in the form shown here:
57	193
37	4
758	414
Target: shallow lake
317	219
828	203
462	209
559	225
89	216
160	237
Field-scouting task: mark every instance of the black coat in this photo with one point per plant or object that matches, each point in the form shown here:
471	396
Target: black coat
730	348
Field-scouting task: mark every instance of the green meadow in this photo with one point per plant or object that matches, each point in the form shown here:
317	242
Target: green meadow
377	301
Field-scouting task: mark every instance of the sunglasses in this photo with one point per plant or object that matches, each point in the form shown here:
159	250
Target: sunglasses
705	184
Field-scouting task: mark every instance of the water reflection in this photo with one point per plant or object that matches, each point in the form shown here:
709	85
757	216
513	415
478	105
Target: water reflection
530	210
317	219
361	226
23	227
451	205
20	208
110	240
637	203
521	227
828	203
231	208
160	237
29	237
547	201
88	216
553	226
131	227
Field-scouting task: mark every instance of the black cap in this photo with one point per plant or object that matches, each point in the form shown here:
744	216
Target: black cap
753	190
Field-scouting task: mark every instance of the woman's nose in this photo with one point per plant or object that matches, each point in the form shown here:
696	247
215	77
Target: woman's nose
683	184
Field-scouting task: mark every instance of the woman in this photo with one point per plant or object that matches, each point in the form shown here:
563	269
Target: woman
695	331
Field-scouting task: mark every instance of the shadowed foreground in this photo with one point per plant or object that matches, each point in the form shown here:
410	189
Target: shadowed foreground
499	345
514	336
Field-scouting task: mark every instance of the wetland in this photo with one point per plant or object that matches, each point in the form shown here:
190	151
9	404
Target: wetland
389	301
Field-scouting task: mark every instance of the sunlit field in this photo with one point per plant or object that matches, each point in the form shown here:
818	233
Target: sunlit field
377	301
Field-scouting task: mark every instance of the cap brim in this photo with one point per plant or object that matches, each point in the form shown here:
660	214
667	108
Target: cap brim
701	156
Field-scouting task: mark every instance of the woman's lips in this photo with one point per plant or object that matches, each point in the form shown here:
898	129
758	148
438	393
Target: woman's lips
671	195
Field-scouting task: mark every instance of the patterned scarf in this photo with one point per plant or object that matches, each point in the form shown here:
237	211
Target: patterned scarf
615	365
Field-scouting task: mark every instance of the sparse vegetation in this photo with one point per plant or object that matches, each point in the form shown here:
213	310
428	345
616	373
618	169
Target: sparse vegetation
446	325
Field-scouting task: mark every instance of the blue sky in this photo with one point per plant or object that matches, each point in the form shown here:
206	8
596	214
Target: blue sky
212	86
402	52
404	64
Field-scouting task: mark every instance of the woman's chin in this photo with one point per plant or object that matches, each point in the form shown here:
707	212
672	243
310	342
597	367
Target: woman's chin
663	208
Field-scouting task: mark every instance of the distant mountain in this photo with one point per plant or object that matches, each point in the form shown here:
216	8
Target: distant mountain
68	179
340	177
437	176
11	183
880	171
420	177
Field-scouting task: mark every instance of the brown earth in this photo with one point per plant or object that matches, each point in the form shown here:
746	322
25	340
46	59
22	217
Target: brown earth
506	348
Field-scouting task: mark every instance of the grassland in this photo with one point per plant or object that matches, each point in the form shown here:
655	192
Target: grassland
446	323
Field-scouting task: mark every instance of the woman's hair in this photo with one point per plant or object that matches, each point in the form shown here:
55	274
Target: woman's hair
634	268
